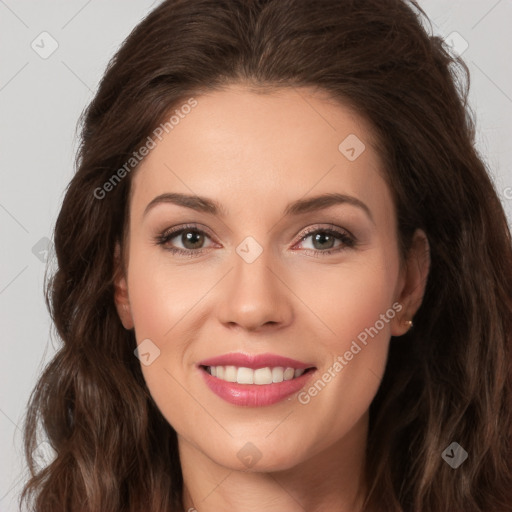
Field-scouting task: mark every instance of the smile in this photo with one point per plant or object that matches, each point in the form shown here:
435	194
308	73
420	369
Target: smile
260	376
254	380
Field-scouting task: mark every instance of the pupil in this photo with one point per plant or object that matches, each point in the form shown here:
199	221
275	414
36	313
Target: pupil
322	237
192	238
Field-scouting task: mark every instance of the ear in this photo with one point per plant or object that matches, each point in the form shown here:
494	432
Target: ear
412	282
121	291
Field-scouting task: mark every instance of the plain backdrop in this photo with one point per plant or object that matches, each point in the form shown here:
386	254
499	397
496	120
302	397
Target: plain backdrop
52	56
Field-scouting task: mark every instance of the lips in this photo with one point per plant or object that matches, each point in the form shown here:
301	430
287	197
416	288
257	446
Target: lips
254	380
256	361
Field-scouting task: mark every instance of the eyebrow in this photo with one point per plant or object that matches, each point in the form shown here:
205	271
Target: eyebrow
298	207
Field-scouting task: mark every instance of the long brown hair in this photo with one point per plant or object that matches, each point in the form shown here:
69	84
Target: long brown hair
449	379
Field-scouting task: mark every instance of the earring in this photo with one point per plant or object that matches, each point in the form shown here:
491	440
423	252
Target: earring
409	323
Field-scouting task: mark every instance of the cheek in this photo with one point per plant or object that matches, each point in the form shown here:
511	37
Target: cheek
161	294
158	312
350	300
357	307
164	298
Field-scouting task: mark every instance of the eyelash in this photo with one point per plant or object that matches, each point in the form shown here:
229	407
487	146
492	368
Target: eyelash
348	240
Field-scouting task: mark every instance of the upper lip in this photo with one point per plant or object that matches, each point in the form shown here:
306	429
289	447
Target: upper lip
254	361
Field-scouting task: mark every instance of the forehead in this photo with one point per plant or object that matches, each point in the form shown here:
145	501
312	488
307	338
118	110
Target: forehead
261	149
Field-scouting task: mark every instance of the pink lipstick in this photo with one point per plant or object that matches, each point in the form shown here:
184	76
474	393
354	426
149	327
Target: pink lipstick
254	380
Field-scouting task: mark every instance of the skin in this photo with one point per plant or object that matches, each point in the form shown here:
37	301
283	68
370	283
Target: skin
254	153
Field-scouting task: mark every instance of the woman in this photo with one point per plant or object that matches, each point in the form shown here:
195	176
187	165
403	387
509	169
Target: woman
215	356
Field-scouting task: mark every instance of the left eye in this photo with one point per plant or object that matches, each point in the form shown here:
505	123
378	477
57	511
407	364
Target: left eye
323	240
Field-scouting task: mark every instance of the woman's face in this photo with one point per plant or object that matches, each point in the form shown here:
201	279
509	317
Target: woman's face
266	267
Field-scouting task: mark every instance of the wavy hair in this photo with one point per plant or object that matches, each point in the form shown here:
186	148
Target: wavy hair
448	379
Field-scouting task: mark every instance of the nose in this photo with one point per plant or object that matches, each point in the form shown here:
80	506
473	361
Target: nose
255	296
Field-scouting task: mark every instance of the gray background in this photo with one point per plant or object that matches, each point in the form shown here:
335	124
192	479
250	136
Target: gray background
40	102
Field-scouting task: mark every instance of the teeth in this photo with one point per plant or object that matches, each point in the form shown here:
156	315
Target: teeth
260	376
230	374
245	376
289	373
277	374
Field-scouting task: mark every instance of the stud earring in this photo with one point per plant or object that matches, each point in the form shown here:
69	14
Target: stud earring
409	323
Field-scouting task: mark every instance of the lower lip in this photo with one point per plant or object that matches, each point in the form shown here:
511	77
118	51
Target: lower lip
255	395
